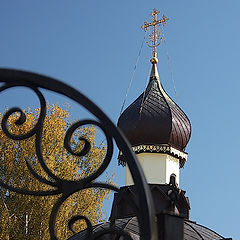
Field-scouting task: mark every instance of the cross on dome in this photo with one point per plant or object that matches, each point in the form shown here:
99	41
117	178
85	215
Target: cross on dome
155	34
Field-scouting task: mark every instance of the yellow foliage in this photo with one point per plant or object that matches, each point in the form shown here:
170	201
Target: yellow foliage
27	217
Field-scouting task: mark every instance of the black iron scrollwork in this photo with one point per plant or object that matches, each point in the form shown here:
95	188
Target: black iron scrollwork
65	188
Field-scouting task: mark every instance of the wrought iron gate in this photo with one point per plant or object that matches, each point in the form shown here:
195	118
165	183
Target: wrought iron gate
64	188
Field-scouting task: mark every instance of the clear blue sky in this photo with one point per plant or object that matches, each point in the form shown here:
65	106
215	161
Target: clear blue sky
93	46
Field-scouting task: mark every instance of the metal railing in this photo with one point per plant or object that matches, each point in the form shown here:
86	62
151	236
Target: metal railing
64	188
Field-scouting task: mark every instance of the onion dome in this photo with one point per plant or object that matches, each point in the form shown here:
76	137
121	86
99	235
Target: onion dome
154	118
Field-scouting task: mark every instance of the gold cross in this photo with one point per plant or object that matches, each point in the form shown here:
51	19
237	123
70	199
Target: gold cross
154	35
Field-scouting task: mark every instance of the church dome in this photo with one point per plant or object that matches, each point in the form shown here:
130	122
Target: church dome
192	230
154	118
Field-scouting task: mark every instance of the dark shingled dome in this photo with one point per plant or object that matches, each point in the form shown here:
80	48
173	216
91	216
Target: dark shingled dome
192	230
154	118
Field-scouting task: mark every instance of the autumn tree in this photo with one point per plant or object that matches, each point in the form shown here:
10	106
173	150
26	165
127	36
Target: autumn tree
27	217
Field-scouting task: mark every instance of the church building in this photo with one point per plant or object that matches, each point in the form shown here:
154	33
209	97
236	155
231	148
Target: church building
158	131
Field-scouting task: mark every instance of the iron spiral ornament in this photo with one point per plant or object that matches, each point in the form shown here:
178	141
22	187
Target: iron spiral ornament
64	188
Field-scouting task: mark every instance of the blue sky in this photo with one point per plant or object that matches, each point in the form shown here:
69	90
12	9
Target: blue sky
93	46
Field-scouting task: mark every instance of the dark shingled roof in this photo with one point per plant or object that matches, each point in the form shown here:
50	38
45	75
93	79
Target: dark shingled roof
192	230
154	118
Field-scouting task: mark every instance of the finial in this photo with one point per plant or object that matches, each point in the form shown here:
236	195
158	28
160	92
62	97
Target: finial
154	36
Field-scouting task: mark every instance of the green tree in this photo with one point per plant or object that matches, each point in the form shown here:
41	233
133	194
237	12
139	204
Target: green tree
26	217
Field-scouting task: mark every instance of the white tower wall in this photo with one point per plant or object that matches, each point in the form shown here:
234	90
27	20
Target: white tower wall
157	168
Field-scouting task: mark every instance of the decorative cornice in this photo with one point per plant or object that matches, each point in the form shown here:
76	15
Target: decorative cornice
164	148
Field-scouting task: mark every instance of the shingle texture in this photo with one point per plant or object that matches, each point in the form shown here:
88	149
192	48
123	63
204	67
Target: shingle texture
192	230
154	118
